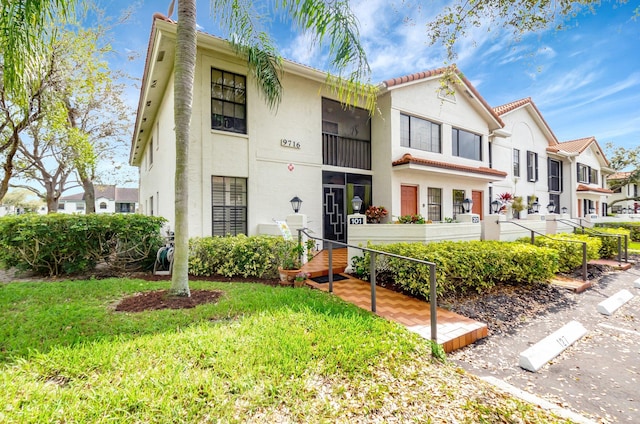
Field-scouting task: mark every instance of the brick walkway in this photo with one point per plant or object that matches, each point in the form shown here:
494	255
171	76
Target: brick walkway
453	331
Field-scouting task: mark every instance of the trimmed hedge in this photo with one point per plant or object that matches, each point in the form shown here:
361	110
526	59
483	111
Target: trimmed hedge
58	244
609	248
570	253
632	227
462	266
254	256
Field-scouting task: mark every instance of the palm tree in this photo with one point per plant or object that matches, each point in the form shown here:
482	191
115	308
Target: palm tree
323	18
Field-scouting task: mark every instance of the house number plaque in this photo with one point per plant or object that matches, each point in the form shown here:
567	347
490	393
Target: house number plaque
356	221
290	143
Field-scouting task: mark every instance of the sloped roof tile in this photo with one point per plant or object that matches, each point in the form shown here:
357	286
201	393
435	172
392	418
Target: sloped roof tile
506	108
408	159
582	187
577	146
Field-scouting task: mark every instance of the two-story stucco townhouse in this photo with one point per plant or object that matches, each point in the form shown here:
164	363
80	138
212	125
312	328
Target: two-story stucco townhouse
424	152
587	180
570	175
625	196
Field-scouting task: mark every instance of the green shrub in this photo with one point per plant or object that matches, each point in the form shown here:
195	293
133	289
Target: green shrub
633	227
609	248
462	266
58	244
254	256
568	248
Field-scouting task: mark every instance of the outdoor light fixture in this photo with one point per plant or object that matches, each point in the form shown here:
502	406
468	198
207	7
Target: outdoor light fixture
296	203
466	204
535	207
495	206
624	210
551	207
592	211
564	209
356	202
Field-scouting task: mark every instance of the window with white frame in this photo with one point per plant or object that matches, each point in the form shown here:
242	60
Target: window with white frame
532	166
586	174
466	144
458	197
228	101
419	133
516	162
555	175
228	205
434	204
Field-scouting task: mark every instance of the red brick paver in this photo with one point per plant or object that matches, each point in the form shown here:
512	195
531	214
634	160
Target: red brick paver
453	331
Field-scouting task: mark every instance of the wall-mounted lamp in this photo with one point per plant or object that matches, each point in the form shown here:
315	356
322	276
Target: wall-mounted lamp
551	207
535	207
624	210
356	202
467	204
495	206
564	209
296	203
592	211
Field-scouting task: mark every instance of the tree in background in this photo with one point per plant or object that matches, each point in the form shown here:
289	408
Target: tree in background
22	201
23	35
83	118
627	163
324	19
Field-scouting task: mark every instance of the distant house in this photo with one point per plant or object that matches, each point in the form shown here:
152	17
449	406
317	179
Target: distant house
109	199
624	198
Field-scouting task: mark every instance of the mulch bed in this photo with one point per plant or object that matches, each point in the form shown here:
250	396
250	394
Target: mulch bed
161	299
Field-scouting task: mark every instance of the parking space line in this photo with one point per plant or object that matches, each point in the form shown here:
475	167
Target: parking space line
624	330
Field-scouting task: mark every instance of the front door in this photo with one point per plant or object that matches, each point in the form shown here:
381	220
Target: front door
477	208
408	200
334	225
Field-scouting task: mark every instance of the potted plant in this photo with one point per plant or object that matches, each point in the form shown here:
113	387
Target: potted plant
375	214
300	278
289	254
517	206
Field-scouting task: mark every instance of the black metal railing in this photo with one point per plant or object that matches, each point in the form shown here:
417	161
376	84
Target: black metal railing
372	268
593	232
346	152
533	240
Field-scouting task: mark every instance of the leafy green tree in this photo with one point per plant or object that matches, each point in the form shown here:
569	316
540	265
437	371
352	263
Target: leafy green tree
83	118
627	162
327	20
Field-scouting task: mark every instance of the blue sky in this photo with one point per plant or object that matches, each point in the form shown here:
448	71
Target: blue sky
585	80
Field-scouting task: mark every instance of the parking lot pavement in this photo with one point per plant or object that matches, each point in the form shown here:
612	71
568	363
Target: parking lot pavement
598	376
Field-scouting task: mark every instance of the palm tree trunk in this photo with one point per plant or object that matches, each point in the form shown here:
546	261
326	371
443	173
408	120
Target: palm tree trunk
185	64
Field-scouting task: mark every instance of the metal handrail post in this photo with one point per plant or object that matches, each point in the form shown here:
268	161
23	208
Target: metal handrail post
330	267
626	247
584	261
432	303
372	271
619	250
533	237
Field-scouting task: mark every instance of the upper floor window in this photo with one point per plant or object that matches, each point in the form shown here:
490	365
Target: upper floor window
228	101
516	162
466	145
150	152
586	174
555	175
103	205
532	166
420	134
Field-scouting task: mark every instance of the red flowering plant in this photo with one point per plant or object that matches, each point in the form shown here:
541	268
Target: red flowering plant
506	197
375	214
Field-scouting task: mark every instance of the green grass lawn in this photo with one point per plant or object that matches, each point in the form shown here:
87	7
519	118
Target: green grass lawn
634	247
260	354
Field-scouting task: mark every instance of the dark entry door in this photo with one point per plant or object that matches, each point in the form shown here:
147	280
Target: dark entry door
334	226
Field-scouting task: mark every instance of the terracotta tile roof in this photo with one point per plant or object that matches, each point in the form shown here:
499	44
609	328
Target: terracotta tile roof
440	71
501	110
408	159
619	176
577	146
582	187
